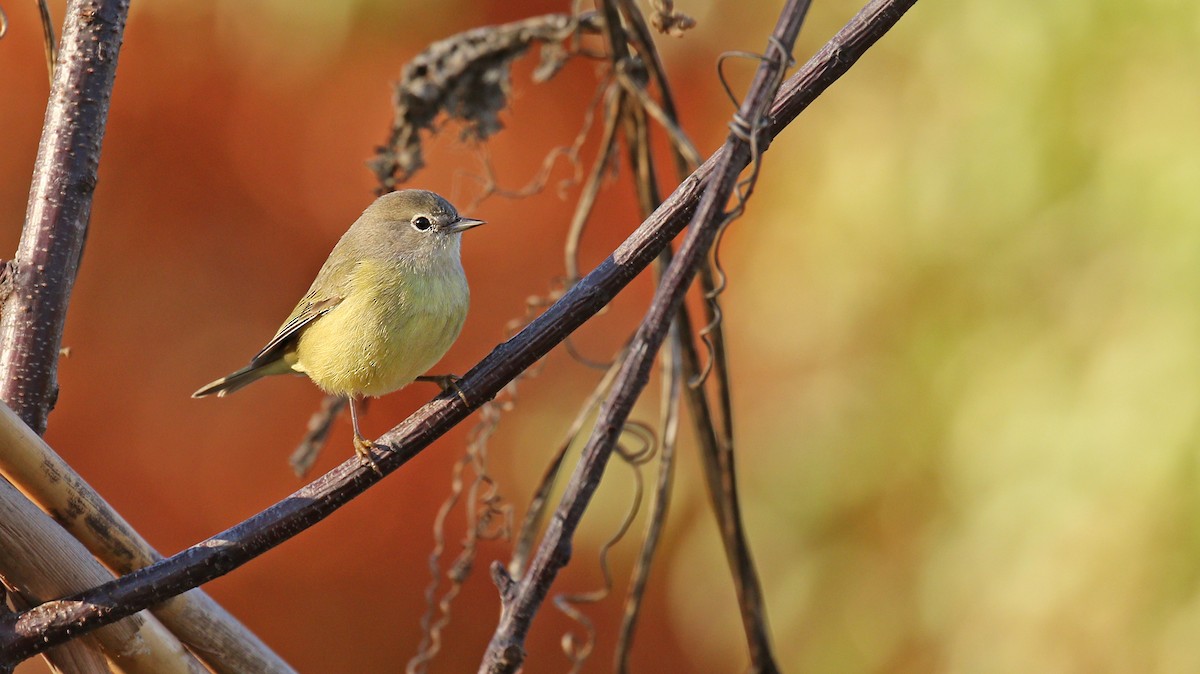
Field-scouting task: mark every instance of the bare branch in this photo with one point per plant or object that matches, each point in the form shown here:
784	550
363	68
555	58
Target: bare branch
319	426
30	632
36	291
81	656
60	203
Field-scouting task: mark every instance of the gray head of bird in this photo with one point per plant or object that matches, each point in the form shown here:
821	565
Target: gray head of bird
416	223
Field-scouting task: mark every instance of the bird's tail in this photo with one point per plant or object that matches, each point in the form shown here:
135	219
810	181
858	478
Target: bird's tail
243	377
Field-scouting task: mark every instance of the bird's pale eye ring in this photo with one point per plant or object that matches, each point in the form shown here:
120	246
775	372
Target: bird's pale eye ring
421	223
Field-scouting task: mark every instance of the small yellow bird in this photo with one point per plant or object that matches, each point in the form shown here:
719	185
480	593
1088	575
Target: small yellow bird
385	307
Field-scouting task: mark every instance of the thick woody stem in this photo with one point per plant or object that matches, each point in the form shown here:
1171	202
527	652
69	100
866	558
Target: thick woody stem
41	276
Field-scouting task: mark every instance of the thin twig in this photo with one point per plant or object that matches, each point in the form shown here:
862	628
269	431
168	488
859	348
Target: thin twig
569	603
48	39
672	381
30	632
641	159
685	163
715	433
491	185
320	424
541	496
613	99
481	512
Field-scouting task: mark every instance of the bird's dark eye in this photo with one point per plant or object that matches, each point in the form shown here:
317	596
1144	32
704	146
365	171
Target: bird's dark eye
421	222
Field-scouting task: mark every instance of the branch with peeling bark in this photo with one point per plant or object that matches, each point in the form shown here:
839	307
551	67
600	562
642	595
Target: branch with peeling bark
27	633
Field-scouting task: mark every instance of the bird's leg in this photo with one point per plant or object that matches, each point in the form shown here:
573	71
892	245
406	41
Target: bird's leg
448	382
362	446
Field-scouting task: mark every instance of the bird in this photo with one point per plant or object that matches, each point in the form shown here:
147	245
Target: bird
385	307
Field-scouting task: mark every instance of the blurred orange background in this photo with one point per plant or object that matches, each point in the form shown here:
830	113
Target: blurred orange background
962	323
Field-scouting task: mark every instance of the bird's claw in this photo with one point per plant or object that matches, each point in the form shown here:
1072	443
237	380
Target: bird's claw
363	447
447	382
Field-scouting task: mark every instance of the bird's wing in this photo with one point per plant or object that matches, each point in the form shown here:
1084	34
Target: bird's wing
333	283
308	310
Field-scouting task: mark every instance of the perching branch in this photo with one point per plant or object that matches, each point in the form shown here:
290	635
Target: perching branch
506	651
28	633
60	204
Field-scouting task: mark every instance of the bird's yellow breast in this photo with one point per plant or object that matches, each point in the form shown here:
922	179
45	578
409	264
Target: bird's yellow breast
389	329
